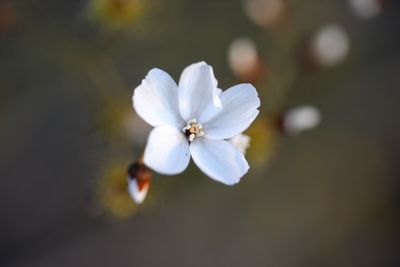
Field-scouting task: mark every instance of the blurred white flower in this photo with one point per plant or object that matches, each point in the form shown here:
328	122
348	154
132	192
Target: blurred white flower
365	9
300	118
330	45
265	13
243	57
241	142
194	120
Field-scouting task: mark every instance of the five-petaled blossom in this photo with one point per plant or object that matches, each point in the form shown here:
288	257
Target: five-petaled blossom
195	119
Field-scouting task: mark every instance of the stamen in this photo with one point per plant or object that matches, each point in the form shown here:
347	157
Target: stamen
193	129
191	137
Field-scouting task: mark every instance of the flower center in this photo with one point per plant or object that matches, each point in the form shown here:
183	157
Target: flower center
193	129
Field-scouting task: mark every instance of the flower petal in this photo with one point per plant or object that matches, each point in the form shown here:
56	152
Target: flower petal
198	93
167	150
156	99
219	159
240	104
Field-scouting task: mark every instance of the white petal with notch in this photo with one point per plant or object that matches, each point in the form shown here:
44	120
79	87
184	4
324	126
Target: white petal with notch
156	99
198	93
240	107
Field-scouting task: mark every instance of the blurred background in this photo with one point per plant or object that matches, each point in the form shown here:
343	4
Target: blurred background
329	196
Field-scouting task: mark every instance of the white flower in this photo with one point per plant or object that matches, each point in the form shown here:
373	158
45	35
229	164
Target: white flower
300	119
330	45
265	13
241	142
366	9
194	119
243	56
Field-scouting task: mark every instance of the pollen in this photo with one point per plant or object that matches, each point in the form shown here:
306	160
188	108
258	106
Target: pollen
193	129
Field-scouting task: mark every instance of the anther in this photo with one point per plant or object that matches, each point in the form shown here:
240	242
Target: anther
193	129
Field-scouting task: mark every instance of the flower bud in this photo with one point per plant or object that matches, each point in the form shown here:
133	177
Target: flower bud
241	142
139	177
